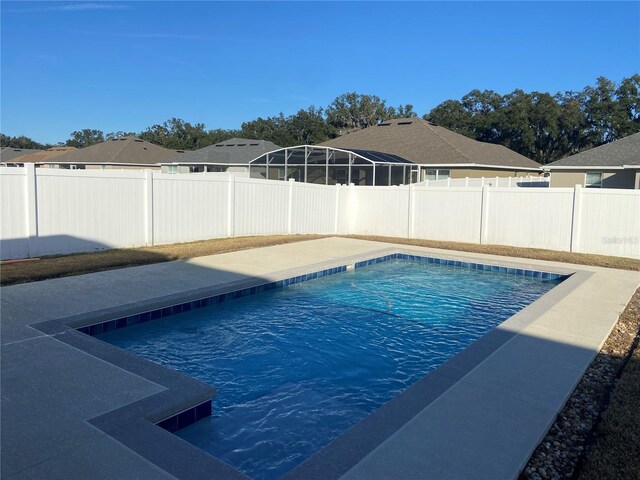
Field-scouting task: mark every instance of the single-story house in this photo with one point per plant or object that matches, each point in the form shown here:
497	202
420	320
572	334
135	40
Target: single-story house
8	155
117	153
438	152
612	165
41	157
232	155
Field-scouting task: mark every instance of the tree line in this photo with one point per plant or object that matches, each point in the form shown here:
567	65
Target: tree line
538	125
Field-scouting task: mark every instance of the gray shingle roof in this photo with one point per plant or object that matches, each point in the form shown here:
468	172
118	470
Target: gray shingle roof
121	150
44	155
625	151
234	150
9	153
425	143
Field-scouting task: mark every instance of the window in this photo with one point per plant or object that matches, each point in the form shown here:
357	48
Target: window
172	169
438	174
197	169
593	180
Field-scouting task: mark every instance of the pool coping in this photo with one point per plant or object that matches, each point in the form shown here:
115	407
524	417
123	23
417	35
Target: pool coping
133	425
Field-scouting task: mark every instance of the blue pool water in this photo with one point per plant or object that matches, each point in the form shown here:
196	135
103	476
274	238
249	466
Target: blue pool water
296	367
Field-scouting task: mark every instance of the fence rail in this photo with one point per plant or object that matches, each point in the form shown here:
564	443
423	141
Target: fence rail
510	182
47	211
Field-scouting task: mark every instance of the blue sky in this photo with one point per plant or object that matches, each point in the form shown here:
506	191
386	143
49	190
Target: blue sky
125	66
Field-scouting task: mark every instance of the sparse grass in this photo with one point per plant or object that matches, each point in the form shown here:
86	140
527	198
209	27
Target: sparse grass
79	263
621	263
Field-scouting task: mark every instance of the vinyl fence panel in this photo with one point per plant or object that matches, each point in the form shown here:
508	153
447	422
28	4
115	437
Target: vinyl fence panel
261	207
535	218
381	211
14	233
448	214
88	210
609	222
313	208
189	207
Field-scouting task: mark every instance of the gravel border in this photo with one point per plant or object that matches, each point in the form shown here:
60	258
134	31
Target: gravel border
566	447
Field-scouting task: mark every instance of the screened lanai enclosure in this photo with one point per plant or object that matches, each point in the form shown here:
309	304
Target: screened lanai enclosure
330	166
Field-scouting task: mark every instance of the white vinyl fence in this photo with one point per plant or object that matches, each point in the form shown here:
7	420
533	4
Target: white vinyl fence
50	211
510	182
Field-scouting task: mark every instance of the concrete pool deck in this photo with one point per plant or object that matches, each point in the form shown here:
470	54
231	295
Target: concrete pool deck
74	407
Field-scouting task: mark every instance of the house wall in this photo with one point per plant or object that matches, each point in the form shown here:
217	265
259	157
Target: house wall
619	179
610	179
566	179
123	167
82	166
209	168
482	172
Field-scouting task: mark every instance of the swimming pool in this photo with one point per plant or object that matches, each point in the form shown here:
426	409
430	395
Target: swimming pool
297	366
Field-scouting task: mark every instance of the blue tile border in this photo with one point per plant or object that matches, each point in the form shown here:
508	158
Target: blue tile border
459	263
107	326
188	417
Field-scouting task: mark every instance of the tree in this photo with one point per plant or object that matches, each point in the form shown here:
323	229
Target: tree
572	126
453	115
542	126
177	134
85	138
272	129
21	142
599	108
627	116
402	111
119	134
351	111
309	127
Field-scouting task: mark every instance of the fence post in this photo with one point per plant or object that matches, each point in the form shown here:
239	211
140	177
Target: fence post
484	214
148	207
32	208
466	181
337	212
412	211
290	209
231	205
351	205
575	219
509	182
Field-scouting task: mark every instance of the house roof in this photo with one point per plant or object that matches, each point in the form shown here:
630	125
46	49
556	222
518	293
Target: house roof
425	143
234	150
625	151
122	150
8	154
44	155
